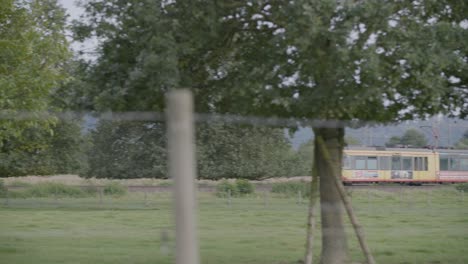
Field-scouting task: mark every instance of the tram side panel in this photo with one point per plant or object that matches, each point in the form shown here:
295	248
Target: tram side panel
400	166
425	166
453	166
363	166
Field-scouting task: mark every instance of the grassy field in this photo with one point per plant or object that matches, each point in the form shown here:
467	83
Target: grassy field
408	226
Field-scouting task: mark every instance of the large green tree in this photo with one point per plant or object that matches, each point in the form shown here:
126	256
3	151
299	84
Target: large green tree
33	50
34	53
375	60
411	138
124	150
131	149
249	152
463	142
38	152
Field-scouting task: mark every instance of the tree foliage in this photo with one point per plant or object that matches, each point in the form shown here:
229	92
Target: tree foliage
411	138
33	57
33	50
249	152
37	152
123	150
352	141
366	58
338	60
138	150
463	142
305	155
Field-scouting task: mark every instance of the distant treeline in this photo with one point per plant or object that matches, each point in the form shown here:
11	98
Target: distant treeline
138	150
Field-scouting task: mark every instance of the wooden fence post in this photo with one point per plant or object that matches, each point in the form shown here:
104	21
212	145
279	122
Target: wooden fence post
100	195
146	198
182	170
429	196
7	198
368	202
311	218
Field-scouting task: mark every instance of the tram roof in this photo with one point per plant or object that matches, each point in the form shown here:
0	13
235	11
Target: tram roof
389	149
441	151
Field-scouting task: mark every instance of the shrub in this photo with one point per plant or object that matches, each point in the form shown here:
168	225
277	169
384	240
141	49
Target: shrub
224	187
291	189
244	187
90	189
166	184
127	149
115	189
17	194
37	151
239	188
17	183
3	189
247	152
51	189
462	187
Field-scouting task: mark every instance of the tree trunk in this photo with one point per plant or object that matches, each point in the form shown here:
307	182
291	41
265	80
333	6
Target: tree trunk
334	245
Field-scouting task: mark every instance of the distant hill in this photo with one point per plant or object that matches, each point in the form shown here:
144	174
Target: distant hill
449	130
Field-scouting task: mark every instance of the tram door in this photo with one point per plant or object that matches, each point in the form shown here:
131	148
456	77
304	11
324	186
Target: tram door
420	168
402	168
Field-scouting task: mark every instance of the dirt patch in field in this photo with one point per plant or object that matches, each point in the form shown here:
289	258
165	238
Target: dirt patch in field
70	179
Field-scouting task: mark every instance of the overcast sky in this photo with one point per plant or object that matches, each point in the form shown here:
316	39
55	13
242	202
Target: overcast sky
71	7
74	11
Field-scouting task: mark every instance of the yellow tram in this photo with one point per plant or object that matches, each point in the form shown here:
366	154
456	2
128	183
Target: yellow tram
404	165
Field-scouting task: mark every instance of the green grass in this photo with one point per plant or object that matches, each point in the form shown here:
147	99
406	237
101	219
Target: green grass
413	226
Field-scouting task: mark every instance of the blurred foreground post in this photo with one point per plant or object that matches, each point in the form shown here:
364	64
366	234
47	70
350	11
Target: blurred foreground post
182	171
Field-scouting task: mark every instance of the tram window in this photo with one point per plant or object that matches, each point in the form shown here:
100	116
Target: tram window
350	163
425	165
454	164
396	163
371	163
407	164
346	162
360	163
384	163
464	164
444	163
